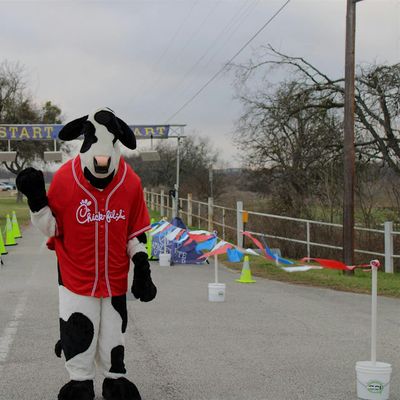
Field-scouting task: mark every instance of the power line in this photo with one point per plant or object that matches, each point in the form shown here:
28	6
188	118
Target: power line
229	61
237	20
177	55
168	47
230	28
172	40
200	26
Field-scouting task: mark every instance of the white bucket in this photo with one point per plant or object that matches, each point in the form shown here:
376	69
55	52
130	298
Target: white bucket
216	291
373	380
164	259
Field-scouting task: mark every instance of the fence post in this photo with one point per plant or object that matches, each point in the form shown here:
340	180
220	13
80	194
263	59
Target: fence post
152	200
389	246
308	239
168	206
210	213
180	208
189	209
199	215
145	196
223	223
174	206
239	223
162	203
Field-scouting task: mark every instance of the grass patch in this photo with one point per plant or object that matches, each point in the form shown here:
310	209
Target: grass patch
8	204
388	284
154	215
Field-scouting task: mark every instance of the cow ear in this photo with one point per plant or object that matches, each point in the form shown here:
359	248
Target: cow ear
73	129
126	135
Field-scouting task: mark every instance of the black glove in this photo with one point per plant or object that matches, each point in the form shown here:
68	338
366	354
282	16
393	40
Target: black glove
30	182
143	287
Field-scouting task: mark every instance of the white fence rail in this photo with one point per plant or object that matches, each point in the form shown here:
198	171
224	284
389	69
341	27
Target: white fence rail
208	215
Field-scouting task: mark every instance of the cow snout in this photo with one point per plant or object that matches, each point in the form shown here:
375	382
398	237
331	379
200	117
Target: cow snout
101	164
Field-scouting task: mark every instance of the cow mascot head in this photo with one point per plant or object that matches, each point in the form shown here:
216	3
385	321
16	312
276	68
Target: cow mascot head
100	153
95	217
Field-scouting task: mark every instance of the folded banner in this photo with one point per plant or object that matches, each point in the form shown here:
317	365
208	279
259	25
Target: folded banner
182	237
234	255
161	227
220	248
300	268
258	244
333	264
207	245
174	233
173	239
278	258
185	247
200	236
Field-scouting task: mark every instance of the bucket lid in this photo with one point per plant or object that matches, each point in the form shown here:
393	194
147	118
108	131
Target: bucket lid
216	285
376	367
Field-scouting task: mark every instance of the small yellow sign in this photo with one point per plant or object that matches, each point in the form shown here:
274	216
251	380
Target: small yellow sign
245	217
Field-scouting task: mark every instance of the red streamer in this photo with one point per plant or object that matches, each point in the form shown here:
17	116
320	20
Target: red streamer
333	264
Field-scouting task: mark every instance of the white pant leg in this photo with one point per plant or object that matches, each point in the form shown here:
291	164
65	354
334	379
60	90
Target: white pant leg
111	342
79	327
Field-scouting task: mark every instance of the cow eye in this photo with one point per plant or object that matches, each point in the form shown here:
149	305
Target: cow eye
89	132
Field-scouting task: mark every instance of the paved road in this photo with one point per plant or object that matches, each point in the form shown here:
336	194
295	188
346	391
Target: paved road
267	341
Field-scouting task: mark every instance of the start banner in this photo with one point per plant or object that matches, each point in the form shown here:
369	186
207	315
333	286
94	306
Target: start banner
51	131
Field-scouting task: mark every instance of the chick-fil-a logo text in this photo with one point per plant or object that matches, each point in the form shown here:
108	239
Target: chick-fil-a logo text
85	216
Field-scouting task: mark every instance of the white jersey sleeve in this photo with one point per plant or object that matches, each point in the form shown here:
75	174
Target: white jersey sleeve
44	220
134	246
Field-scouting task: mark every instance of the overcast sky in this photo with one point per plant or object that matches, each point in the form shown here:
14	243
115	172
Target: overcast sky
145	59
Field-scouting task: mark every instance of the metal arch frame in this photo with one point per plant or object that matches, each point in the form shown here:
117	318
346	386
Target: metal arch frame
176	131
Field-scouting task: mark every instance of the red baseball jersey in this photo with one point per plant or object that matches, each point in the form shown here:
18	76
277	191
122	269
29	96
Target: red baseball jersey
94	226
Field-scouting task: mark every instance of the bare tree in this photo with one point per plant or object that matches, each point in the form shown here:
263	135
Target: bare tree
17	107
196	157
329	191
29	151
287	143
12	86
378	113
368	190
292	130
377	99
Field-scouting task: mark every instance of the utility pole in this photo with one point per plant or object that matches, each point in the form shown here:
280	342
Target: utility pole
175	208
348	144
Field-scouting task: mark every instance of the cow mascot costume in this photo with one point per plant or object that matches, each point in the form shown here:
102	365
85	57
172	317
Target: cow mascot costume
96	218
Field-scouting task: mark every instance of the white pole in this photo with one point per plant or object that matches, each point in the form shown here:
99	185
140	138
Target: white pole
216	267
176	204
308	240
239	223
162	203
374	295
389	247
